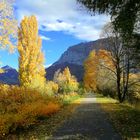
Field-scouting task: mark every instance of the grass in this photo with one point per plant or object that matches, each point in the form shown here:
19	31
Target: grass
70	99
125	118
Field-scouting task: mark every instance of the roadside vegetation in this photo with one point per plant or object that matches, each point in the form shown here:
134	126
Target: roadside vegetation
21	108
124	117
35	98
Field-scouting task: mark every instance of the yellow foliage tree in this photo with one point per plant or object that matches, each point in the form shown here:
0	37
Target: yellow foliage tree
31	59
95	67
67	82
67	74
8	25
90	75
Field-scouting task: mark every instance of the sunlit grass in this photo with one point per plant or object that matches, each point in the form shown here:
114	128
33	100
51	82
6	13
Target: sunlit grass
71	98
101	99
125	118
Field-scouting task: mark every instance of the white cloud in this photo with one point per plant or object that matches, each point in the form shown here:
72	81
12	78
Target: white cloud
45	38
62	15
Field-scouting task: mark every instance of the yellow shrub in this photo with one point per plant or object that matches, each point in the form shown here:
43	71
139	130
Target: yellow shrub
51	88
45	110
21	107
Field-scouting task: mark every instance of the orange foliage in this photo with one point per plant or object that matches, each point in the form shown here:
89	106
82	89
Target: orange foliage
90	75
21	107
105	59
93	65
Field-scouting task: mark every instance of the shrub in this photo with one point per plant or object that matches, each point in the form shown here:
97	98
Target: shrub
51	88
81	89
21	107
134	90
67	83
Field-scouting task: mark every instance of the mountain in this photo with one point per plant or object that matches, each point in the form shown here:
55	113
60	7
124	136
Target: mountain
76	70
74	58
10	76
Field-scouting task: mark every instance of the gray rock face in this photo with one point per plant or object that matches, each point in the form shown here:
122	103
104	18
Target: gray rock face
74	58
78	53
10	76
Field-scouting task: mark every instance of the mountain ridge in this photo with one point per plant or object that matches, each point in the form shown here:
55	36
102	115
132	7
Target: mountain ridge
9	76
73	58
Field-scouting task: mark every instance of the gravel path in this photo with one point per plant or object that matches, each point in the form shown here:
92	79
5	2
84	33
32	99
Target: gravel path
89	122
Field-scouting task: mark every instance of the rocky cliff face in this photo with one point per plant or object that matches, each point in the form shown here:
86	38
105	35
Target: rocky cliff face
74	58
10	76
78	53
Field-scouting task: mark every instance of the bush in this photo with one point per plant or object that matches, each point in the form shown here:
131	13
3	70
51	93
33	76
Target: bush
69	98
107	92
81	89
67	83
21	107
51	88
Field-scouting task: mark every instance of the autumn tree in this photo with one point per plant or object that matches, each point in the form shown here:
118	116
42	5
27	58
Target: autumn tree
122	59
90	75
8	25
105	77
31	58
67	82
96	72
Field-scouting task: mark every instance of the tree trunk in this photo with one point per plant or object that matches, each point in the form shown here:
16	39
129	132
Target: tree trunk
125	91
119	84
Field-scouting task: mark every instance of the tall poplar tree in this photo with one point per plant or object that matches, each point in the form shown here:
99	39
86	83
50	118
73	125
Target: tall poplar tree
31	58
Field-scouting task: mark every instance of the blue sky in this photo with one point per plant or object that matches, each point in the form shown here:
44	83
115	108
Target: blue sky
62	23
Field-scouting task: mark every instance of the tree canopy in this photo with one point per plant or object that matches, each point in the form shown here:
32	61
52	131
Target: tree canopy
8	25
125	14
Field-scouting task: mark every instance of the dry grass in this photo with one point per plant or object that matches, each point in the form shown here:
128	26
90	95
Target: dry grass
125	118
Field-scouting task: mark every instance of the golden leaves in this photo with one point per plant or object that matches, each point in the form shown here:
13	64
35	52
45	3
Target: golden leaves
95	66
31	69
90	74
8	25
66	82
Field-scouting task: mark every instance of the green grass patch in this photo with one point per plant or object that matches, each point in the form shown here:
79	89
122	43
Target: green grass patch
125	118
70	99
